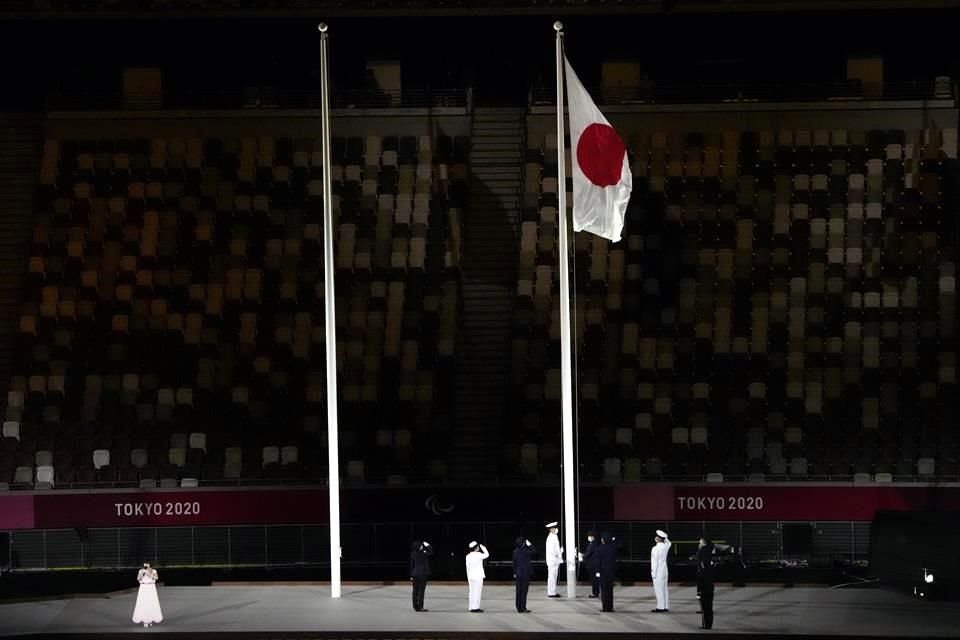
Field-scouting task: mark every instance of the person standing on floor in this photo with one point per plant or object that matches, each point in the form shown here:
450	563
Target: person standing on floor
554	560
658	571
476	554
705	577
420	554
590	563
523	553
607	568
147	610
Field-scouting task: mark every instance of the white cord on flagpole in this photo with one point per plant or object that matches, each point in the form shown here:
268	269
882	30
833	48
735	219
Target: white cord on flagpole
566	379
330	316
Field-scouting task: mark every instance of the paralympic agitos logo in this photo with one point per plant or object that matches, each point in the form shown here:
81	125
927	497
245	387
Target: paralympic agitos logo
434	506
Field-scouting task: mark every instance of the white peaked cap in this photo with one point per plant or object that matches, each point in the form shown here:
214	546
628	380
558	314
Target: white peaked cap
551	525
472	544
661	533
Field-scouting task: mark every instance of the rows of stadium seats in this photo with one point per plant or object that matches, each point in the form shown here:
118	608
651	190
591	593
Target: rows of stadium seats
173	325
782	305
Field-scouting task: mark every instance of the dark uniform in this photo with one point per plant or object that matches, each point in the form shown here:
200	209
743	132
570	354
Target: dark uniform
590	558
607	565
420	555
523	553
705	577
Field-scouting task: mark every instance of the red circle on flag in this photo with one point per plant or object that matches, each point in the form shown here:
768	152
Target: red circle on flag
600	154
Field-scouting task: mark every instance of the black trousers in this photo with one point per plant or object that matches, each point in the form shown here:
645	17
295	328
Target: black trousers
706	606
523	585
419	588
606	592
594	583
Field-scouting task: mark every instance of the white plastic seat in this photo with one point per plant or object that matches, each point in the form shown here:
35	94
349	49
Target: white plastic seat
177	456
611	470
44	477
139	458
714	477
189	482
926	467
233	455
23	475
148	483
633	470
198	440
101	458
798	467
271	455
289	455
11	429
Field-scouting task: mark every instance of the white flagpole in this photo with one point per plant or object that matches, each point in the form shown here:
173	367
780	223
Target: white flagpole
566	377
330	316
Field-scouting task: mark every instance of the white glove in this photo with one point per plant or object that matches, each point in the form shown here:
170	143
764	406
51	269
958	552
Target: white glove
598	574
528	543
580	557
426	544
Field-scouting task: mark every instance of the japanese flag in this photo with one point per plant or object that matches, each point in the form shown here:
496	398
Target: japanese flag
601	174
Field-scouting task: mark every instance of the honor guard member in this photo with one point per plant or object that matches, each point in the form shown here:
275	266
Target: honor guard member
590	563
523	553
476	554
607	568
658	571
705	577
554	560
420	554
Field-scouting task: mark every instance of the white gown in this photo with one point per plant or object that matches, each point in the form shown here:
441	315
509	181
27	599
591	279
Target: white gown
147	609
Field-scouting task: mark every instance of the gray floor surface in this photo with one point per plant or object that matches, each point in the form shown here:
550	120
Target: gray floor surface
375	608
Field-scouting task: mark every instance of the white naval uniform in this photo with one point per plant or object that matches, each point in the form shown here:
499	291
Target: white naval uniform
554	562
475	575
658	572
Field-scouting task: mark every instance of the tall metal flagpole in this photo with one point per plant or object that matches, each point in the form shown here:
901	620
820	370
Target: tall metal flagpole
566	361
330	325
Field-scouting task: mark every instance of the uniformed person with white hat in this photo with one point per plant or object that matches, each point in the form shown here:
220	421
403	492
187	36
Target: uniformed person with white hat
476	554
554	560
658	571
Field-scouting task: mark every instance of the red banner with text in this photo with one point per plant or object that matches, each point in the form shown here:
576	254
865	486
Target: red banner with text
712	502
648	502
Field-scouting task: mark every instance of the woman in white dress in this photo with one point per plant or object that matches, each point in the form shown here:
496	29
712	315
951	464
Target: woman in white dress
147	609
476	554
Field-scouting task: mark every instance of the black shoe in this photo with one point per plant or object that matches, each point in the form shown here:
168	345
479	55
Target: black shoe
593	595
476	610
424	610
699	611
556	595
665	611
523	610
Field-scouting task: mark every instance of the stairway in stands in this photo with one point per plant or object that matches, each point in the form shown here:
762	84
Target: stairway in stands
489	271
21	141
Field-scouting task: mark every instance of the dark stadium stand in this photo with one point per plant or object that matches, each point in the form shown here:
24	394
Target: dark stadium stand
172	330
782	306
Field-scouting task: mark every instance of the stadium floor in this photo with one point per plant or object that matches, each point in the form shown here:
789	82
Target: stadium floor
377	611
